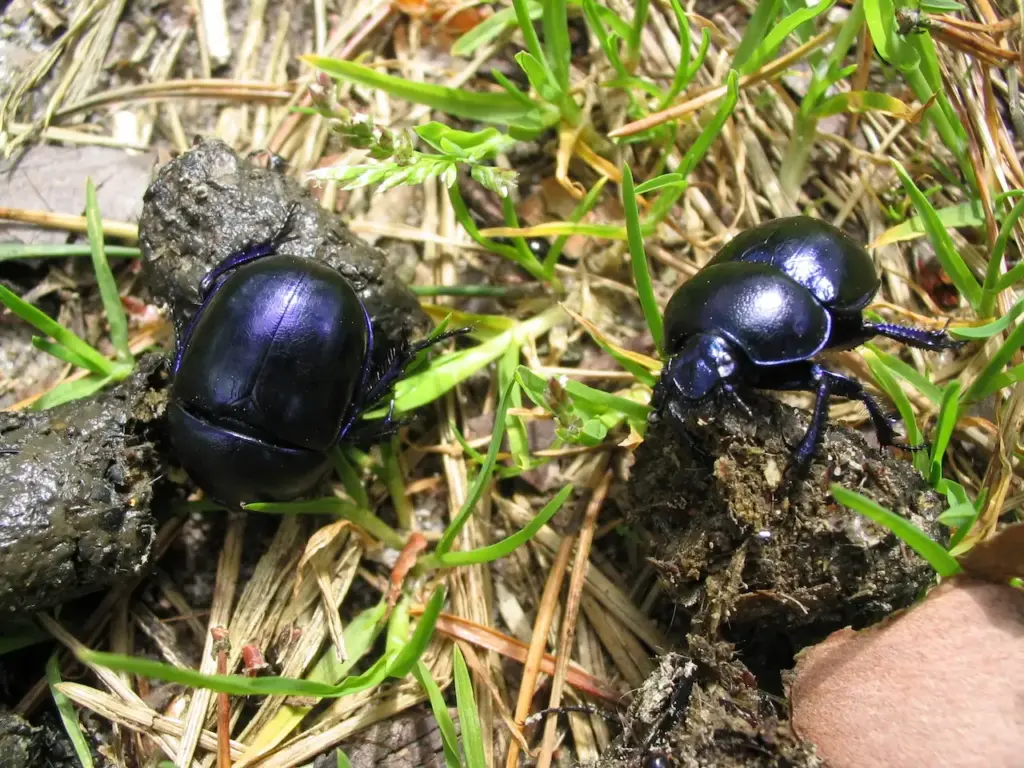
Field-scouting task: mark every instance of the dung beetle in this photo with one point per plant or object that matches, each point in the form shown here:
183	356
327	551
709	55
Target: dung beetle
272	372
758	312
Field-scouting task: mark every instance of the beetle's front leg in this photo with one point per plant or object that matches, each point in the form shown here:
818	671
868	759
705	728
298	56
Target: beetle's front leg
258	251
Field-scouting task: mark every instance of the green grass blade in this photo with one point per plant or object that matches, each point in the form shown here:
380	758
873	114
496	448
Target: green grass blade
604	40
52	329
908	373
490	29
526	28
663	205
757	29
105	278
989	330
891	387
12	251
640	10
72	390
469	717
445	724
501	548
63	353
410	653
518	438
949	412
945	251
67	714
641	271
985	383
350	478
993	282
446	372
483	477
938	558
491	108
778	33
237	685
330	505
556	42
341	759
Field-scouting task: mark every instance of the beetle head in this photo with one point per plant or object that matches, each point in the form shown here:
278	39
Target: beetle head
701	366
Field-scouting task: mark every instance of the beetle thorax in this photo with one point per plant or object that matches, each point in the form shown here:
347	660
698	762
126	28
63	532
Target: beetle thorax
704	362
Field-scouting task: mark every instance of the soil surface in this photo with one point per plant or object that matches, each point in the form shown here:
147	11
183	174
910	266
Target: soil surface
80	495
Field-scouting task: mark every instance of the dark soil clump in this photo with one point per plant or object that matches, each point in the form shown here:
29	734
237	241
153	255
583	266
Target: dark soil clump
77	495
704	709
209	203
738	545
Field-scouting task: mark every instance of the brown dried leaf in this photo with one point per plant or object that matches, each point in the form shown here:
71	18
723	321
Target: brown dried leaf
936	685
998	558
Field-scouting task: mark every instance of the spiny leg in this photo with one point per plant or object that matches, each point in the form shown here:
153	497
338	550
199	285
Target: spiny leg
882	422
390	374
920	338
258	251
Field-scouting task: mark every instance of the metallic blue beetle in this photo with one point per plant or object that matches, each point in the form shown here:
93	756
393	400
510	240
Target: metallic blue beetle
272	372
769	301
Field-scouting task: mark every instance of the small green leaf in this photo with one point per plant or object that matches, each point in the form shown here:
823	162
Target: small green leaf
469	717
945	251
859	102
539	77
67	714
938	558
959	516
641	271
891	46
341	759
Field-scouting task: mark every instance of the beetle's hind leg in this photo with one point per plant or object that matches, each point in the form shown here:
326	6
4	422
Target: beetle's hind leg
920	338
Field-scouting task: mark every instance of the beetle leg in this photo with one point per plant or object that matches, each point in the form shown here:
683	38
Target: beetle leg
386	379
736	398
258	251
912	337
804	452
882	422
